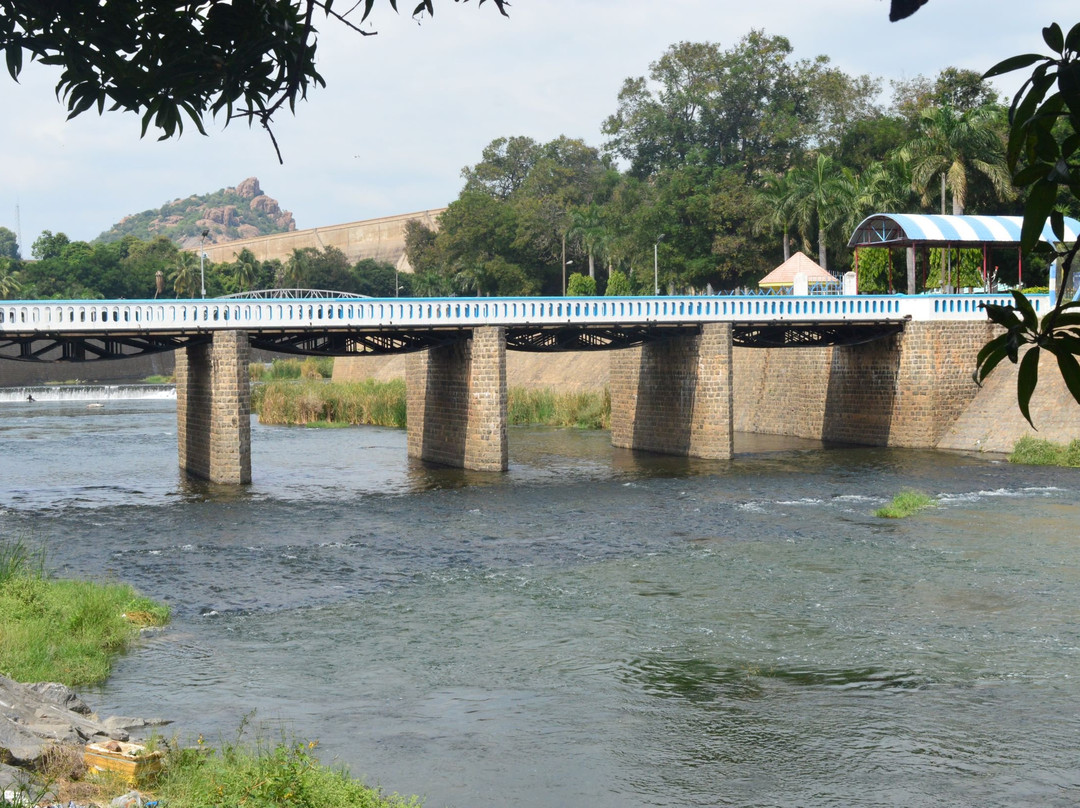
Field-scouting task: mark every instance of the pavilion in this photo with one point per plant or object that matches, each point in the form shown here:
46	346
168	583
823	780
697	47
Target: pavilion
783	277
916	231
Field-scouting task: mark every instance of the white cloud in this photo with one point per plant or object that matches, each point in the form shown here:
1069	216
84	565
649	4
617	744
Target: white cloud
407	109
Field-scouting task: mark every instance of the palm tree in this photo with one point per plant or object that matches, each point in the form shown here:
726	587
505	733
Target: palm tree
949	146
245	270
185	278
777	205
295	271
9	279
820	197
587	224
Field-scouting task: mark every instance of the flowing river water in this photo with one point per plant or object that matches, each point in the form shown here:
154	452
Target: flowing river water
594	627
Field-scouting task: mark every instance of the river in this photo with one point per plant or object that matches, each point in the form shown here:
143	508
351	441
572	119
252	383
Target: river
593	628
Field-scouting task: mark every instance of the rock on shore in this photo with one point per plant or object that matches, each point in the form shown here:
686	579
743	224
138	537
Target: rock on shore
37	717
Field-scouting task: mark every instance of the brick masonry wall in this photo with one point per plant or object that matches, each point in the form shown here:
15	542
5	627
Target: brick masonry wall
213	409
904	391
675	396
456	403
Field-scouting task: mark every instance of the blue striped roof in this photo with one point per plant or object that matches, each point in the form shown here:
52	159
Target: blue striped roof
883	229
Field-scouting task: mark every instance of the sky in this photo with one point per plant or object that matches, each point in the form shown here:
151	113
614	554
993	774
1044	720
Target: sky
404	111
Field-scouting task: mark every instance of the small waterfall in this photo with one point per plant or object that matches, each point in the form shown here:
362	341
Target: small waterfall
87	392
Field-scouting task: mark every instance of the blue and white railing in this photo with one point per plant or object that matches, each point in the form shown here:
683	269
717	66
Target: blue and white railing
161	316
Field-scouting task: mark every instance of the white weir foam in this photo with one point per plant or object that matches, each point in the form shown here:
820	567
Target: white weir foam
86	392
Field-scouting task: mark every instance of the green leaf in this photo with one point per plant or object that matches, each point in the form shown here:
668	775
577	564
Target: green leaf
998	343
1040	202
1072	41
987	365
1030	174
1002	315
1027	311
1026	381
1070	372
1013	63
1053	37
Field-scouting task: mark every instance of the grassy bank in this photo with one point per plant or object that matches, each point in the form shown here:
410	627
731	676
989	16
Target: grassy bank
322	403
1038	452
261	774
60	630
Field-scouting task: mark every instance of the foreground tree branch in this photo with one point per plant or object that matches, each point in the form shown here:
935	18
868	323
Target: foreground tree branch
176	60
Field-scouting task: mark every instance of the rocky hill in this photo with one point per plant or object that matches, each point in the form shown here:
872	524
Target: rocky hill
228	214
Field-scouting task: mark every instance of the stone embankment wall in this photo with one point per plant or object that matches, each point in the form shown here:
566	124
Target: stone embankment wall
921	396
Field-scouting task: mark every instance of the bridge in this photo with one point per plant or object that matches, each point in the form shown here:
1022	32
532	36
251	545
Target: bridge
671	371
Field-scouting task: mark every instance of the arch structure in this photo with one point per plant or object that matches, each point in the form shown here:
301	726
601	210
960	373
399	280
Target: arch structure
917	231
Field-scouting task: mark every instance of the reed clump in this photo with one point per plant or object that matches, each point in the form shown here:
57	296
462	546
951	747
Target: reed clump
1031	451
546	407
375	403
311	367
309	402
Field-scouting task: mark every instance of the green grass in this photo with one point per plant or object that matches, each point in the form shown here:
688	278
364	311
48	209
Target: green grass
60	630
311	367
327	404
263	775
322	403
586	410
158	380
905	504
1038	452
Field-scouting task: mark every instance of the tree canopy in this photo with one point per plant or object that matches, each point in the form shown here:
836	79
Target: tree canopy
176	60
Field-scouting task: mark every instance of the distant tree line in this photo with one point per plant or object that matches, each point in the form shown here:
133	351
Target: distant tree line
129	268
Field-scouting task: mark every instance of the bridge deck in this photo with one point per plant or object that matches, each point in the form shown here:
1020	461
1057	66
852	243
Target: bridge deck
85	330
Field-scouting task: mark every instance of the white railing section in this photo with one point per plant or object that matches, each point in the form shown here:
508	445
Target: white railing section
151	316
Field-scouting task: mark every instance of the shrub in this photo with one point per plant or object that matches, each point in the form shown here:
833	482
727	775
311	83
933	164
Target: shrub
618	285
581	285
905	504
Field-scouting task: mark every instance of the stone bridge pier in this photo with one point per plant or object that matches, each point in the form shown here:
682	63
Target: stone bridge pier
456	402
213	408
674	396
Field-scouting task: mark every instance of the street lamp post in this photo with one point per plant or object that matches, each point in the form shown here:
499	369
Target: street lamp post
656	266
202	262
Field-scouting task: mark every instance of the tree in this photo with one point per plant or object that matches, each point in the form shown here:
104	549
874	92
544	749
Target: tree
749	107
9	245
245	270
9	277
168	60
950	145
185	274
776	202
821	196
587	225
1043	157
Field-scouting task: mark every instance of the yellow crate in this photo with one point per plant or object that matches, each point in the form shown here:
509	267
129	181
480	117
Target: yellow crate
130	760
